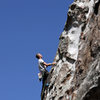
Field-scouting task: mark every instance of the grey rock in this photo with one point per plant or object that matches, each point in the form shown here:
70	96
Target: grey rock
77	73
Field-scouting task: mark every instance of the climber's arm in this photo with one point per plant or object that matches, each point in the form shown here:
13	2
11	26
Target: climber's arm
49	64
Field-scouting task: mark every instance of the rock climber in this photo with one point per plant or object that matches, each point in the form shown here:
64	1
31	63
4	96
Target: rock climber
42	67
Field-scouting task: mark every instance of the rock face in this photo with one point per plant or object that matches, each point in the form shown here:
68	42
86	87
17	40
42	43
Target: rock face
77	73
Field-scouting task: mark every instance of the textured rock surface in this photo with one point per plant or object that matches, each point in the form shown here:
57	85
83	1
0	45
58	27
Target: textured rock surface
77	73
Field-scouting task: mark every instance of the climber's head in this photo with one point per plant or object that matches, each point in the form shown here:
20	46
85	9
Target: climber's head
38	56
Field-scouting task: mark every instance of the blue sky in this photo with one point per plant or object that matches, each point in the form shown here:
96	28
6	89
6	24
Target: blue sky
26	28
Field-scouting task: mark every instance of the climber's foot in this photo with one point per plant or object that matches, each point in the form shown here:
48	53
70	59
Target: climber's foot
47	84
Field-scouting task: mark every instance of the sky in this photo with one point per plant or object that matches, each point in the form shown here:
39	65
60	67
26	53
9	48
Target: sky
26	28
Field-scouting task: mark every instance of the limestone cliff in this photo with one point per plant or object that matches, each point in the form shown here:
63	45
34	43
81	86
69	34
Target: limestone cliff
77	73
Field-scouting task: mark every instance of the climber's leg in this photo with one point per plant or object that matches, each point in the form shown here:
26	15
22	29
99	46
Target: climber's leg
46	73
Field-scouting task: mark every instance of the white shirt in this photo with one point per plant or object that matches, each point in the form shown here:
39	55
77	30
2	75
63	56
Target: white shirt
41	65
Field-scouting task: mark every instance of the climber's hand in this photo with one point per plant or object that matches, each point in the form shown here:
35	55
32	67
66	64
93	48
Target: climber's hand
53	63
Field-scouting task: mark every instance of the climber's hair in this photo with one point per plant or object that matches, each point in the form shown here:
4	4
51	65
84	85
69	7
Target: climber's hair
37	55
